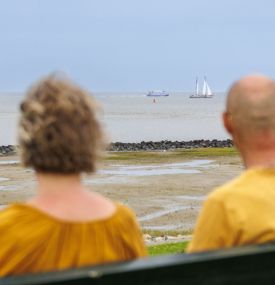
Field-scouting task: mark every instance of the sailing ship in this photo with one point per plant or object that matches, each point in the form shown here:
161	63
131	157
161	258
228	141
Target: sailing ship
206	91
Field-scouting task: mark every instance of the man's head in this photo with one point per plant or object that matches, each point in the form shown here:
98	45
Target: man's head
250	113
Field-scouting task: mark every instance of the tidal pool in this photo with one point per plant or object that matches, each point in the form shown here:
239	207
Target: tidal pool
165	212
124	173
8	162
189	167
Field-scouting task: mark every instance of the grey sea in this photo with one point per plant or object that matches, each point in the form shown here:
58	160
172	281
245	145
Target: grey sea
134	117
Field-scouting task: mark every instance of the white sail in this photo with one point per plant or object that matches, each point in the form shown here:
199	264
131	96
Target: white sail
208	90
204	87
197	86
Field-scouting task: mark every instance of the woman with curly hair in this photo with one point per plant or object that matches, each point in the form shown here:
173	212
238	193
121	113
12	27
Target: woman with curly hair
64	225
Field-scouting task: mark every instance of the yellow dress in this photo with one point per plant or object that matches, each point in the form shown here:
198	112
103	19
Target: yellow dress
33	241
239	213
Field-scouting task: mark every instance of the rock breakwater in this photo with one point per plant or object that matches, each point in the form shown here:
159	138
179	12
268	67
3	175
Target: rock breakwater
146	146
8	149
169	145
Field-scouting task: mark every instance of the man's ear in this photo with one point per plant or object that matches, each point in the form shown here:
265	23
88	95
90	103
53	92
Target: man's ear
227	122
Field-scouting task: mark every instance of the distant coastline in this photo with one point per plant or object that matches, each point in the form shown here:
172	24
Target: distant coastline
146	145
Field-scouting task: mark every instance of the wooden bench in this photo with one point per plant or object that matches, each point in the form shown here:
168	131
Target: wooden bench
243	265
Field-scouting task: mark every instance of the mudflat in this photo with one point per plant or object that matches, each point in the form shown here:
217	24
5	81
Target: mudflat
165	189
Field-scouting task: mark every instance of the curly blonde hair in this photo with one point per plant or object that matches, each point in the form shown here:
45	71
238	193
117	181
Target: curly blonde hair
59	130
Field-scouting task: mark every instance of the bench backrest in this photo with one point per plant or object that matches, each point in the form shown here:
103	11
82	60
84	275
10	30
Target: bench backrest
243	265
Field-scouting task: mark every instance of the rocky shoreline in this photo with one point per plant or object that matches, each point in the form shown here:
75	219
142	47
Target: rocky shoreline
147	146
169	145
8	149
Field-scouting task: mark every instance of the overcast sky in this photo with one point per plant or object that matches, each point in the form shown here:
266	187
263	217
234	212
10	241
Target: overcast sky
136	45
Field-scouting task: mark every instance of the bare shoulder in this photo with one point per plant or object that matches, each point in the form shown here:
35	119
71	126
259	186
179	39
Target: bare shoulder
94	206
100	201
104	202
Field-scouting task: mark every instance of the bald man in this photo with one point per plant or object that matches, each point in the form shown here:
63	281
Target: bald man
243	210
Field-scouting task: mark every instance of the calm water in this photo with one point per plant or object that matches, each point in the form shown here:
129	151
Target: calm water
133	117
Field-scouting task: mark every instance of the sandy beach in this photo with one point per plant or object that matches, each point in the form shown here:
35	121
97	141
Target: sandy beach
165	189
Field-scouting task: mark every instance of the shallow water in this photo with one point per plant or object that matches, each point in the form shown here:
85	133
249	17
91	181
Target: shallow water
4	179
124	174
172	210
8	162
160	169
194	198
192	163
165	212
107	180
149	172
170	227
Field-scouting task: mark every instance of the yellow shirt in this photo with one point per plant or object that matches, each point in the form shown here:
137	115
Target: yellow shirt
33	241
238	213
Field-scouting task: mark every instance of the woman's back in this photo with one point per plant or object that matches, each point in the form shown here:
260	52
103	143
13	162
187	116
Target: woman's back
63	225
34	241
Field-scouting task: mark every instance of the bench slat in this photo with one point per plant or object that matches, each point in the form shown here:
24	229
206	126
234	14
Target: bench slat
243	265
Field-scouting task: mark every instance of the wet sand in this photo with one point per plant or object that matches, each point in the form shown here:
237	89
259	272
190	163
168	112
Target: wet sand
166	196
